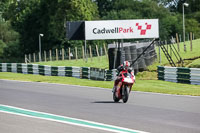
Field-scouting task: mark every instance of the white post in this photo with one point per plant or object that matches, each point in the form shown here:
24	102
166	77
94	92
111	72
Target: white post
63	54
56	54
40	35
184	30
33	57
184	4
25	59
86	50
39	48
69	51
29	57
45	56
76	53
159	55
50	55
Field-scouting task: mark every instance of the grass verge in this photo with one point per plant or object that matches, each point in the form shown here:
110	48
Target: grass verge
141	85
98	62
195	64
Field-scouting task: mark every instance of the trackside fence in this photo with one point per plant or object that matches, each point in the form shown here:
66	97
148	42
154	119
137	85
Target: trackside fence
179	74
78	72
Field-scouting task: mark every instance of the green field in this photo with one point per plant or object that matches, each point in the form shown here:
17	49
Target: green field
185	55
102	62
140	85
98	62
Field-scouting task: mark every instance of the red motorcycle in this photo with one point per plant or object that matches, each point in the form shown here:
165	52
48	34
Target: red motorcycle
123	88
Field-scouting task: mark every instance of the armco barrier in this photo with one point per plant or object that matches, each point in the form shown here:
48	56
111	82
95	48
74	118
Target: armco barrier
85	72
78	72
179	74
97	74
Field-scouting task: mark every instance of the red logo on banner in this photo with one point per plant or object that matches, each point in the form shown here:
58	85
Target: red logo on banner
143	31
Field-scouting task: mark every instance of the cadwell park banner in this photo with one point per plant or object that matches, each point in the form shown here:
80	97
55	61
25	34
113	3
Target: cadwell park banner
112	29
121	29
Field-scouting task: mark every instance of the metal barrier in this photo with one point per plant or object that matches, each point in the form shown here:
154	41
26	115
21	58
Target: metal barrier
179	74
78	72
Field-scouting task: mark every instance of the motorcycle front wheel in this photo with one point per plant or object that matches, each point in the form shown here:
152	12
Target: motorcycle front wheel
126	94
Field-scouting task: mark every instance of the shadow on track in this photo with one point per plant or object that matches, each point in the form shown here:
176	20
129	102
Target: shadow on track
106	102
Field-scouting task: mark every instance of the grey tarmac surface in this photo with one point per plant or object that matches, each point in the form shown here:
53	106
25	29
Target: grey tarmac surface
149	112
10	123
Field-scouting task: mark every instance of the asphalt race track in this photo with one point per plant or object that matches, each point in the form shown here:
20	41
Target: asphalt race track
149	112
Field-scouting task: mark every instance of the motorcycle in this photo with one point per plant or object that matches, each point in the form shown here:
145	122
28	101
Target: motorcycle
123	88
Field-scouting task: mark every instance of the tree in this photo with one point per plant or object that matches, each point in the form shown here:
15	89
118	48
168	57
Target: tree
196	16
82	10
9	43
2	46
104	6
145	9
193	26
32	17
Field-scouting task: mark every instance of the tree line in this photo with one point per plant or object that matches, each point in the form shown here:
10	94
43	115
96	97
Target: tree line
21	21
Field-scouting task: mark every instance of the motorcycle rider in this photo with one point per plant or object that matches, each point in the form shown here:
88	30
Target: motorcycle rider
124	66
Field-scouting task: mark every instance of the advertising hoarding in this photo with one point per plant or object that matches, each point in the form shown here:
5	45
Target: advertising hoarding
121	29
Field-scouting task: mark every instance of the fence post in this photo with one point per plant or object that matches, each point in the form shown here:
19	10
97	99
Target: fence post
45	56
63	54
39	57
33	57
25	58
83	53
170	45
50	55
193	36
29	57
90	52
191	41
167	45
56	54
69	54
76	53
105	51
177	41
159	55
97	51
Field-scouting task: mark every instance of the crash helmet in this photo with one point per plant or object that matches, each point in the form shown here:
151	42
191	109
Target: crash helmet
126	65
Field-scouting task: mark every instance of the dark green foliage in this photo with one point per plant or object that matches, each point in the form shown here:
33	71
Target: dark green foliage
21	21
170	22
32	17
145	9
9	43
47	17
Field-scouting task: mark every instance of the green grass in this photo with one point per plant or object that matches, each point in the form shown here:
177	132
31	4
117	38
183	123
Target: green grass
146	75
141	85
53	79
185	55
98	62
195	64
